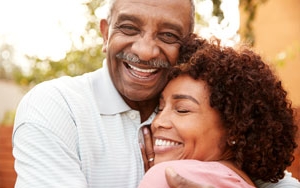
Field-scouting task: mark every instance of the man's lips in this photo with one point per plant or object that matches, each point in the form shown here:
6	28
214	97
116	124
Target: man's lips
141	69
139	72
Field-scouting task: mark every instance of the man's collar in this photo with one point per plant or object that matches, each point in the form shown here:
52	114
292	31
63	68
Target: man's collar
109	101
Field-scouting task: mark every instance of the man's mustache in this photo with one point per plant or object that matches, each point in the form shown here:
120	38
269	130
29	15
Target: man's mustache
157	63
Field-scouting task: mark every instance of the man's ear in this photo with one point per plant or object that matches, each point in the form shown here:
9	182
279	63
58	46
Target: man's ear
104	27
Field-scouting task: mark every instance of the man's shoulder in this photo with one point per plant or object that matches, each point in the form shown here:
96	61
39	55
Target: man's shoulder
77	84
287	181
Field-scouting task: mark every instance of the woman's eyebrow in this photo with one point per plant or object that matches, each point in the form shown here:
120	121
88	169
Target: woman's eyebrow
181	96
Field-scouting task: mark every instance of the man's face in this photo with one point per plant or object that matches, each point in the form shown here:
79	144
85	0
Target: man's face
141	39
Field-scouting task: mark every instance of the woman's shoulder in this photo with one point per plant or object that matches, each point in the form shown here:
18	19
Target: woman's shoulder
209	173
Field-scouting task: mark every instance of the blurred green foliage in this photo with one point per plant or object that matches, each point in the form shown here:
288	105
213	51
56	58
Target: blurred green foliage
250	7
75	63
89	58
8	118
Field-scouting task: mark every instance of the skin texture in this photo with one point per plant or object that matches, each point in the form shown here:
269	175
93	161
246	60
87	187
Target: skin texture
151	34
186	126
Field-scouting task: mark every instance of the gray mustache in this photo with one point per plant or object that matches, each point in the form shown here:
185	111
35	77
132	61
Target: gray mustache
157	63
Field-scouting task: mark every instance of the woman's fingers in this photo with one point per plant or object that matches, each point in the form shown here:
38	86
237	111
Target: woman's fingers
148	155
146	165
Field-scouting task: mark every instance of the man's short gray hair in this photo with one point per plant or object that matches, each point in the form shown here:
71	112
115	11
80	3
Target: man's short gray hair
192	16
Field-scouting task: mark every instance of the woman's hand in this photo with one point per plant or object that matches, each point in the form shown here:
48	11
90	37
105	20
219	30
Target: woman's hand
147	149
174	180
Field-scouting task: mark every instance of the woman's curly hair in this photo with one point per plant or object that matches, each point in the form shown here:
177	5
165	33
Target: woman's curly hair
252	103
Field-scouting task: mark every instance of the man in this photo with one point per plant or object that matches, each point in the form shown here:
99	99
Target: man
85	131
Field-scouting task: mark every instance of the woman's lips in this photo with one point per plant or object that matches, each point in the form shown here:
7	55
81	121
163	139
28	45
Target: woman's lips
162	142
164	145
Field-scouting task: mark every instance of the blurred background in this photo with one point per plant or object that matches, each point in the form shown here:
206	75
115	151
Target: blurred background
42	40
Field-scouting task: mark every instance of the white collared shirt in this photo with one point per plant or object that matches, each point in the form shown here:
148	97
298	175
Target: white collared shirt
77	132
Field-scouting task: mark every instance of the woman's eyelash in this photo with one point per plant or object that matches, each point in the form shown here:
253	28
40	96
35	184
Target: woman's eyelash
183	111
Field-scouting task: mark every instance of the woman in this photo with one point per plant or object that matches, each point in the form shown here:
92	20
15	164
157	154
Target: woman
226	113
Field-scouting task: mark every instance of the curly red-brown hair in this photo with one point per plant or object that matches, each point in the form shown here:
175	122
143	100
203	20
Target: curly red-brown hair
252	103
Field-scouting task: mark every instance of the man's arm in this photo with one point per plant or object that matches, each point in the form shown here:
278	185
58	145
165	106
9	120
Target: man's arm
44	142
41	160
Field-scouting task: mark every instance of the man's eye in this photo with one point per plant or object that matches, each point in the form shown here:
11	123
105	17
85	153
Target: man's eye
128	29
169	38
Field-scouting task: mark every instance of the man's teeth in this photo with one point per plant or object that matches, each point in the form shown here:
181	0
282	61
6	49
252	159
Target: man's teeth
160	142
142	70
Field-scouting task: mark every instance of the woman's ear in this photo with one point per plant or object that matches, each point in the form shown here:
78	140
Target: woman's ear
104	27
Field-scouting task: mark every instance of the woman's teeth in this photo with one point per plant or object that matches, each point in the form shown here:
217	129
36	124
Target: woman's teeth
160	142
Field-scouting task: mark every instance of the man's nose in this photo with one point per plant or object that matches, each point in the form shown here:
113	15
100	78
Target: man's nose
146	48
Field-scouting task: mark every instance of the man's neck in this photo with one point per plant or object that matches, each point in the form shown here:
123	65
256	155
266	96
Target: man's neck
145	108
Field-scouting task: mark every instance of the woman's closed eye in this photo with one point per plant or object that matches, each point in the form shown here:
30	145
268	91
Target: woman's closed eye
183	111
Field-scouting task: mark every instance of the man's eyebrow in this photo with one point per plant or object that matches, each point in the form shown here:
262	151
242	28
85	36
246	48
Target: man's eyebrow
124	17
180	96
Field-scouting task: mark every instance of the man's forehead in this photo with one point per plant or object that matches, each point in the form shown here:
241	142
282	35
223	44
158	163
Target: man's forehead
183	10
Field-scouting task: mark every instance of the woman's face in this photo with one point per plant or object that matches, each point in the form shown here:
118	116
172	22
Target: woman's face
186	127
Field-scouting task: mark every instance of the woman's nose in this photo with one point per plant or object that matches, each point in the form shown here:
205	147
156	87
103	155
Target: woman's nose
162	120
